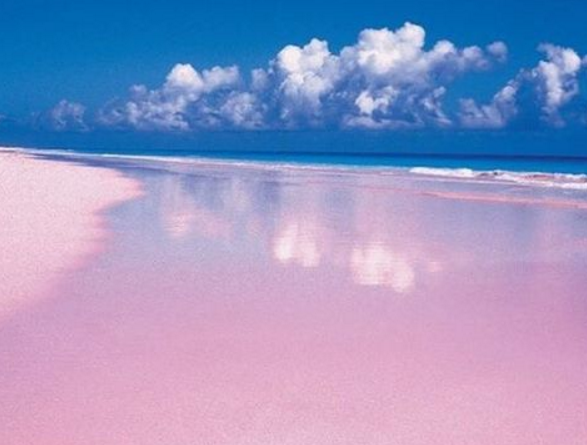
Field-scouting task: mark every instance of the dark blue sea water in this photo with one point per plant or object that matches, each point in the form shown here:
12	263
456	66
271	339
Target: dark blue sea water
560	151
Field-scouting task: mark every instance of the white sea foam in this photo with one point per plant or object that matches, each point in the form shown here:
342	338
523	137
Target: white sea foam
555	180
445	172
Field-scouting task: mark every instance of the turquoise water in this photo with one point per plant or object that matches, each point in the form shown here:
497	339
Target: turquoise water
550	164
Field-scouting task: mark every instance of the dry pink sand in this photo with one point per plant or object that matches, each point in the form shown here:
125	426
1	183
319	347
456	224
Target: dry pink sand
50	221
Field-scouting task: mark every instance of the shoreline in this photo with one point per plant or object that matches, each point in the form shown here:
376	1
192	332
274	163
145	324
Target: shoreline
53	221
488	187
525	178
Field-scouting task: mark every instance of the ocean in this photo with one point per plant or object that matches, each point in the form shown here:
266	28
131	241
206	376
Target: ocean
567	172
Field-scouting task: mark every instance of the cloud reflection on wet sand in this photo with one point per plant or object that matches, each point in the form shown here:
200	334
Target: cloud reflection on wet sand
306	230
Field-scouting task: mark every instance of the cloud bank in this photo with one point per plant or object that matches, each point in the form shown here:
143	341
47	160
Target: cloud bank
65	116
538	93
388	79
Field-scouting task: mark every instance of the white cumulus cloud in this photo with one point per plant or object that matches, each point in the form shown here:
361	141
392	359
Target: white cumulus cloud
551	85
184	97
557	79
65	116
387	79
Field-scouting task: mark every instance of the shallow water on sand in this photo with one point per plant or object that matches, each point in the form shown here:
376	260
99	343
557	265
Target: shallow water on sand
243	305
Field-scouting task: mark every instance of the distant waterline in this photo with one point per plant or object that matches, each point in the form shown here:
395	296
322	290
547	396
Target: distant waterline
559	172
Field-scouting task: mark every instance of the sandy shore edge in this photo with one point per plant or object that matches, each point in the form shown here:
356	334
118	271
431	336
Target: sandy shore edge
51	221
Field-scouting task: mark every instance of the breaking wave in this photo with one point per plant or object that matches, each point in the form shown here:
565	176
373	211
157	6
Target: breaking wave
555	180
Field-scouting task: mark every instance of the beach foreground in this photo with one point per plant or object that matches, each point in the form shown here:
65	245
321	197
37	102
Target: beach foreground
250	305
50	222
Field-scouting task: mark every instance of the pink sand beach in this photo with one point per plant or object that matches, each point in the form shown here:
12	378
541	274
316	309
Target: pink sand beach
50	223
146	302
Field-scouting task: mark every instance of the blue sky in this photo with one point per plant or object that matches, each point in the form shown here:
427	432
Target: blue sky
67	66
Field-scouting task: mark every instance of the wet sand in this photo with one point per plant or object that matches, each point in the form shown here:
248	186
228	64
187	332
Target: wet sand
237	305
